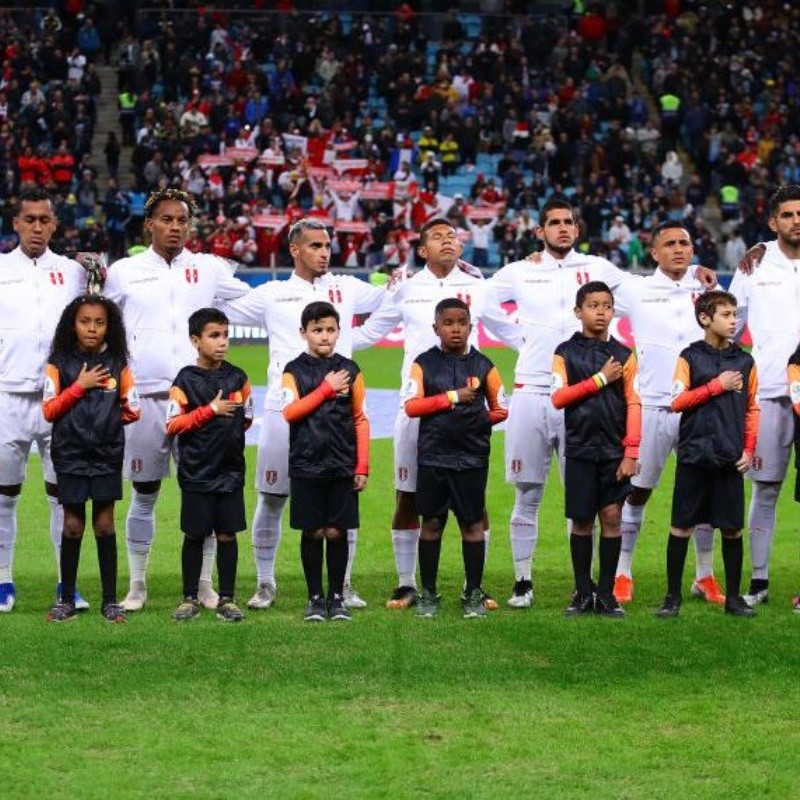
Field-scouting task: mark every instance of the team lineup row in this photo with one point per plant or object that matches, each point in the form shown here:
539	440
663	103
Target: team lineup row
159	289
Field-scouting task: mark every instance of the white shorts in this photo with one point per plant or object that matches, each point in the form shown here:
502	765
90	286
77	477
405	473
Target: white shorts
147	446
272	470
406	435
660	429
534	430
775	440
21	424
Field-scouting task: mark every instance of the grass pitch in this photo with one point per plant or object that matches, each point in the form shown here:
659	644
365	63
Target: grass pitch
522	704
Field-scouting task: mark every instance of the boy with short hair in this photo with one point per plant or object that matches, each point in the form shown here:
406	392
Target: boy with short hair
209	411
450	387
328	455
594	380
715	388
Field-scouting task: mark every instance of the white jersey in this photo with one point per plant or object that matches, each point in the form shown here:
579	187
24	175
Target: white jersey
769	302
157	298
661	311
33	294
412	300
277	307
545	298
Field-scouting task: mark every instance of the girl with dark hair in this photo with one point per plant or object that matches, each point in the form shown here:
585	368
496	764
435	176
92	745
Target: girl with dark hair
89	395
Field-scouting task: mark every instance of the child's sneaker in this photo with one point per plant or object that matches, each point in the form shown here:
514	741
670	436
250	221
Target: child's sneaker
608	606
62	612
228	611
427	604
671	606
579	605
738	607
472	604
81	603
113	612
337	610
315	610
188	609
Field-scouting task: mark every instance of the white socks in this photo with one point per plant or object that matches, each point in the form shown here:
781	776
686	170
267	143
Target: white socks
8	535
704	551
140	528
524	527
352	541
266	533
405	544
761	523
56	529
630	526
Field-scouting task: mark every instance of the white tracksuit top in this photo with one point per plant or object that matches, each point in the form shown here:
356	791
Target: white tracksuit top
157	299
33	294
769	302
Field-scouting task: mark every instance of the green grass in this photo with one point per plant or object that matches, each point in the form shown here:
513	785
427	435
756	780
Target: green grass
522	704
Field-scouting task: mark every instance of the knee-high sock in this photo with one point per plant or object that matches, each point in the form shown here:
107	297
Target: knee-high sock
69	554
474	557
761	523
336	562
8	536
704	551
405	544
209	556
56	529
609	549
677	547
524	527
191	563
630	527
107	559
312	554
352	542
227	560
140	528
732	559
266	534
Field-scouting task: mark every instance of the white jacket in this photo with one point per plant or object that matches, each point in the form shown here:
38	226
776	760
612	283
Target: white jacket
661	312
545	298
277	306
33	294
157	299
769	303
412	300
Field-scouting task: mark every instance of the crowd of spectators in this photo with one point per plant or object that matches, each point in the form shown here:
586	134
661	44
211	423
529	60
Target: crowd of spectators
378	122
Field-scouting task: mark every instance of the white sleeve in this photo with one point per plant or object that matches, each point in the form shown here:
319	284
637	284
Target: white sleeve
368	297
625	296
500	325
382	322
248	309
501	285
112	288
228	287
616	276
740	289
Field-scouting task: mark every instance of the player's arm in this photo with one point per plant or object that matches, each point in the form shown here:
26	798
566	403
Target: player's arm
247	402
501	285
563	394
633	402
740	289
368	298
246	309
500	325
358	394
57	402
297	408
496	397
381	322
128	397
683	397
752	414
418	405
229	287
180	419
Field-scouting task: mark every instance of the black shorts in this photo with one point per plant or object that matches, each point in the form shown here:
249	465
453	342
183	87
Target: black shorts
592	485
75	490
204	513
463	491
707	495
316	503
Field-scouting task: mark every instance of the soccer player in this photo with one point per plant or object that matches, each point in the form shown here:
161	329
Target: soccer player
411	300
594	380
454	384
209	412
158	290
277	306
768	304
35	286
544	293
660	308
793	377
715	386
328	455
